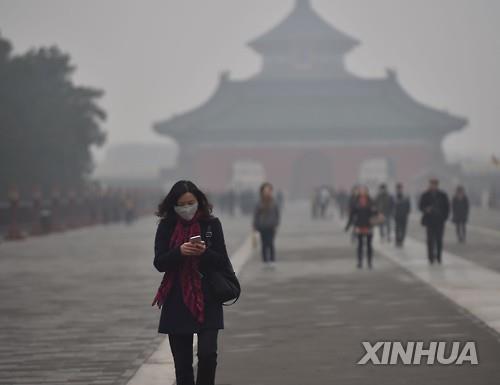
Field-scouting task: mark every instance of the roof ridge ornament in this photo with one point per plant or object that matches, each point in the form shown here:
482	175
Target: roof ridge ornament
302	4
391	73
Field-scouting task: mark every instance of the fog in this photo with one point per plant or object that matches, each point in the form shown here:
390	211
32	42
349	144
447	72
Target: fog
352	189
158	58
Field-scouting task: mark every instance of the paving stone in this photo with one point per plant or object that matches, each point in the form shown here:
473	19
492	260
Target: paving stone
75	308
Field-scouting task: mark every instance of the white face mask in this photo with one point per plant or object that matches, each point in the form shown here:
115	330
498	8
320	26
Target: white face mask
187	211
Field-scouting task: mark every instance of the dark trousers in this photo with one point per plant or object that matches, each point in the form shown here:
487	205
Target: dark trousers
435	233
181	346
461	230
267	240
400	230
362	239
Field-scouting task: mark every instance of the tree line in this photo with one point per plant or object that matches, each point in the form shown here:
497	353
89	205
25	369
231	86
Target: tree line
47	123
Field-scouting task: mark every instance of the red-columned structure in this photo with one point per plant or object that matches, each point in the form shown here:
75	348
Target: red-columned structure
306	120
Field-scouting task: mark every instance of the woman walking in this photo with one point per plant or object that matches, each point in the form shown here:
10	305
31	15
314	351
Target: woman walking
363	217
184	296
266	220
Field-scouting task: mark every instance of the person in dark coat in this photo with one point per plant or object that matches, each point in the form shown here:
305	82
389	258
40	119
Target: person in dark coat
187	305
385	205
351	203
435	207
342	199
402	207
460	212
266	220
361	217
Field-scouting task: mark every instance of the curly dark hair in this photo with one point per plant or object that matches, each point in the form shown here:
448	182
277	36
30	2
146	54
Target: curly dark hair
166	207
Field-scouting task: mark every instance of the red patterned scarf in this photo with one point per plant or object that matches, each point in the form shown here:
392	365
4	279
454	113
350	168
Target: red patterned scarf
188	273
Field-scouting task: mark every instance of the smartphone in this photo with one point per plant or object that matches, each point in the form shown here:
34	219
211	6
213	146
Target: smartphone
196	239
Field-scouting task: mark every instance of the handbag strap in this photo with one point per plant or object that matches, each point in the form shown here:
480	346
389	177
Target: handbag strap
208	239
208	242
232	303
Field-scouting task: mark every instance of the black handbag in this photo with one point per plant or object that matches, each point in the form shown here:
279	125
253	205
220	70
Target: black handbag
224	284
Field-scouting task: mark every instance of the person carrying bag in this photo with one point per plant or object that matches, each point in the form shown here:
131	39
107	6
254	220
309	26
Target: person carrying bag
198	277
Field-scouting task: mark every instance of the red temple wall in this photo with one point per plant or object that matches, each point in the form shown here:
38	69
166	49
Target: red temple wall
212	167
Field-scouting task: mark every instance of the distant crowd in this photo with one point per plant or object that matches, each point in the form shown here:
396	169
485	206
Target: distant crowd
363	213
231	202
390	214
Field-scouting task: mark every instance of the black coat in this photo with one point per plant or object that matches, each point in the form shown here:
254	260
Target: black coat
360	216
439	206
402	208
175	316
460	209
384	203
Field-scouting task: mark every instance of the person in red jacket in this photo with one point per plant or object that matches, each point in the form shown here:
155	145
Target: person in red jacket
361	216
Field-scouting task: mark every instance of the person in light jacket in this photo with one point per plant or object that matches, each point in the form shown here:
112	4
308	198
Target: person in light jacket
266	220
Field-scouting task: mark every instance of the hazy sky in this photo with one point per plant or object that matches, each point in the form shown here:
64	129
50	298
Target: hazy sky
156	58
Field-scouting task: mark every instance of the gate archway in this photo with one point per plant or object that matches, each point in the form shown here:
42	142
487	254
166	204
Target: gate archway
310	170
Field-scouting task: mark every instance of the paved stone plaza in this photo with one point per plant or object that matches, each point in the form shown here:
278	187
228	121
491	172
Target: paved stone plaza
75	308
483	238
303	323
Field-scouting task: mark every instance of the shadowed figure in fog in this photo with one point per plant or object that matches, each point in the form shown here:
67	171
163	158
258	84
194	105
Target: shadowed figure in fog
385	205
402	207
435	207
342	200
314	203
187	303
460	212
362	217
323	198
351	203
266	220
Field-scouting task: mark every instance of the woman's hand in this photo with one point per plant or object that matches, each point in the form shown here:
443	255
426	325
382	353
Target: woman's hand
188	248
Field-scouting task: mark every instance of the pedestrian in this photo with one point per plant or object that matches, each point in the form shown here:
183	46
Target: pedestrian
314	203
402	208
266	220
435	207
129	209
460	212
362	216
184	296
353	198
323	199
385	205
342	199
